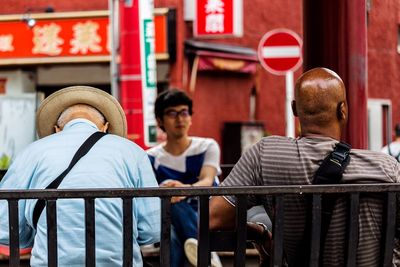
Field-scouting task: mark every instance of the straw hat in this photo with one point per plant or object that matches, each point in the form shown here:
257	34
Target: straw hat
51	108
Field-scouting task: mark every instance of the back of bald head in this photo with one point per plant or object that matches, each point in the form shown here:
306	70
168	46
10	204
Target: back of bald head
319	93
81	111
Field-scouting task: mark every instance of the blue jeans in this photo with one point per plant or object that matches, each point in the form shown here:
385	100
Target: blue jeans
184	219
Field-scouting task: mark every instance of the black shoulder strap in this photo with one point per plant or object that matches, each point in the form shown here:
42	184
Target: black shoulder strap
333	166
82	151
329	172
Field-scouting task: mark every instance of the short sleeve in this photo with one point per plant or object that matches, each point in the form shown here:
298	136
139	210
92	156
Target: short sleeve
212	156
246	172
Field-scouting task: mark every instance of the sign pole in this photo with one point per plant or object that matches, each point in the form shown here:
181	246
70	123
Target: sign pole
289	97
113	6
280	53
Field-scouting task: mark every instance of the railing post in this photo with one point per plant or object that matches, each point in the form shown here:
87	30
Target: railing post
389	228
241	231
128	232
278	232
353	228
90	233
51	214
13	225
316	231
203	250
165	251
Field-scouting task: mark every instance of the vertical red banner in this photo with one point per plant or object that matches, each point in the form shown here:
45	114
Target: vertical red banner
130	69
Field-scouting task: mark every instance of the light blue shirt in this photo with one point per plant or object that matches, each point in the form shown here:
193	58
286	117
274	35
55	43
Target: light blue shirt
113	162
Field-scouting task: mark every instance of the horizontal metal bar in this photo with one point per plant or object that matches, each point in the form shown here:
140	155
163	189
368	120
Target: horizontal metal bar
195	191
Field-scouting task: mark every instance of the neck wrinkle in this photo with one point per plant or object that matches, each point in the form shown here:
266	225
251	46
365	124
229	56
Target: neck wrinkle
331	132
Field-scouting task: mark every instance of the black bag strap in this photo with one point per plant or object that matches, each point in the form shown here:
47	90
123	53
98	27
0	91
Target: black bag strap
333	166
82	151
329	172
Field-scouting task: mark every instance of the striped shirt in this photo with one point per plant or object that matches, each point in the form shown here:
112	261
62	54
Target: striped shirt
285	161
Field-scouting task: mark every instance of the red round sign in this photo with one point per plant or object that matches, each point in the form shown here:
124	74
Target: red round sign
280	51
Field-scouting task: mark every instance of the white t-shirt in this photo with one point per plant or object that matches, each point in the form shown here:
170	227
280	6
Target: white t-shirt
185	167
394	149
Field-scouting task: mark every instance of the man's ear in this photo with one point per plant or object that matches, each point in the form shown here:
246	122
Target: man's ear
341	111
105	127
159	122
294	109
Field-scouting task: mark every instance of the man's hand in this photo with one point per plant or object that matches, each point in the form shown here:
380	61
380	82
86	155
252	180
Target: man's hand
175	183
262	240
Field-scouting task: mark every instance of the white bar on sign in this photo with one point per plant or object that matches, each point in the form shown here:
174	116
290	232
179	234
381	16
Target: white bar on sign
281	51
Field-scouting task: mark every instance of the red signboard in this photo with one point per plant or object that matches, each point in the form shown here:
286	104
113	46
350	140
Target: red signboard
160	27
55	38
218	17
280	51
64	37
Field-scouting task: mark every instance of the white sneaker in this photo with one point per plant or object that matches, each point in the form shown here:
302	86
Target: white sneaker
190	249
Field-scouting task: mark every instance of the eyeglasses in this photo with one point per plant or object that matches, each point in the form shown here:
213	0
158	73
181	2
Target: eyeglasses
184	113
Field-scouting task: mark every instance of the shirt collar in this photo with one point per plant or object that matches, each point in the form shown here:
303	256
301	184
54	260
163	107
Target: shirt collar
73	122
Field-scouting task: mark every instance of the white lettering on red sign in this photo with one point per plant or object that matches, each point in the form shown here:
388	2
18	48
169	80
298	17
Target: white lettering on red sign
46	40
6	43
215	15
85	38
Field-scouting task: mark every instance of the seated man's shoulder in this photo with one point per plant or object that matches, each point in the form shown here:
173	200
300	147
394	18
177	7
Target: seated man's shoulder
202	143
375	166
123	144
277	140
206	140
372	155
155	150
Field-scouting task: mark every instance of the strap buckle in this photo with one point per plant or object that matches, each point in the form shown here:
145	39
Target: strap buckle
340	153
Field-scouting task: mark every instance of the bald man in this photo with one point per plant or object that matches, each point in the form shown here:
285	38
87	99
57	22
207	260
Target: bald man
320	104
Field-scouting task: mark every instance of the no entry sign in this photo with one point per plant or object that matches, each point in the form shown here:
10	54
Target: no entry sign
280	51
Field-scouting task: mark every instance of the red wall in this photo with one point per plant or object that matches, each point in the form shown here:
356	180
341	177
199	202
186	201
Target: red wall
383	58
225	97
219	98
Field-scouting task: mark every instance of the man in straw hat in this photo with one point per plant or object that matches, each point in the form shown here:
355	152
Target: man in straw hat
64	121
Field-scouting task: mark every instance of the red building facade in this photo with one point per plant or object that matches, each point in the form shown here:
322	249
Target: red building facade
224	93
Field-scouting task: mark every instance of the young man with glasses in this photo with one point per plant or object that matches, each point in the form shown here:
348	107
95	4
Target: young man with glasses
183	161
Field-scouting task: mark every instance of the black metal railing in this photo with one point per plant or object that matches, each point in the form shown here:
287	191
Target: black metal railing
228	241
